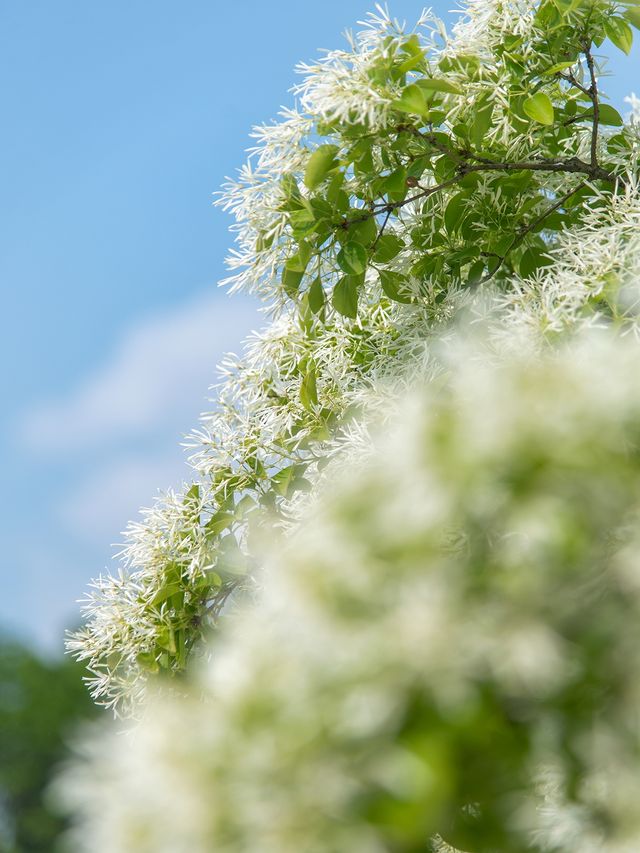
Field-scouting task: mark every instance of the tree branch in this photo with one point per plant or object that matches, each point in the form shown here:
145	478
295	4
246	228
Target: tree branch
571	165
570	78
593	94
527	229
381	231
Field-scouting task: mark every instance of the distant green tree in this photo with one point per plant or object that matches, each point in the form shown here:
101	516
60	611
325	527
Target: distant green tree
40	704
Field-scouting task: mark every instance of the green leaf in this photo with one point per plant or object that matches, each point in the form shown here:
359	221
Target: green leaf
532	260
412	100
396	182
455	210
291	280
558	67
481	124
539	108
147	661
394	285
289	186
610	116
316	296
417	167
620	33
309	390
335	191
231	558
466	61
445	167
415	54
388	247
345	297
321	162
632	14
193	493
565	7
304	252
362	156
618	143
244	506
219	522
208	581
364	231
165	592
476	272
352	258
264	241
299	261
501	244
606	115
303	221
285	480
434	84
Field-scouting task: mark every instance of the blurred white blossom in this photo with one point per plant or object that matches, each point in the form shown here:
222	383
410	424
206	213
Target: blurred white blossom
455	596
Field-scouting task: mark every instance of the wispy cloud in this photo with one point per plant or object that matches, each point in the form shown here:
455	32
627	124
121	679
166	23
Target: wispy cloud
126	418
158	368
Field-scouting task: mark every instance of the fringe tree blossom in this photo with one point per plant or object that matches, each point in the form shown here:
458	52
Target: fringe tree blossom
416	171
448	645
593	279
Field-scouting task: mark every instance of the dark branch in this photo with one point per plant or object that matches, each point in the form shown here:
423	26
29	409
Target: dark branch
394	205
571	165
381	231
593	94
570	78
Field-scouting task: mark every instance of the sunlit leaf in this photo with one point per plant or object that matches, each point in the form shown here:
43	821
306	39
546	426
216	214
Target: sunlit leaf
352	258
539	108
620	33
321	162
345	297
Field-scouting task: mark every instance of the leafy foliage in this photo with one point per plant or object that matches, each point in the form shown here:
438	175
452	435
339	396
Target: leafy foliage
446	649
441	651
422	169
40	705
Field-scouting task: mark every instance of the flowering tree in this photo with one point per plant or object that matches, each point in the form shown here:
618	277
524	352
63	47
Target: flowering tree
427	641
441	650
446	651
420	169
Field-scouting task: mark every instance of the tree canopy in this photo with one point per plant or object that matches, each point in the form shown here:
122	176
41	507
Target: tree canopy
41	702
404	575
419	169
446	651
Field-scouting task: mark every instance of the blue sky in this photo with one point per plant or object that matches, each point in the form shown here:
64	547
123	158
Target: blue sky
119	121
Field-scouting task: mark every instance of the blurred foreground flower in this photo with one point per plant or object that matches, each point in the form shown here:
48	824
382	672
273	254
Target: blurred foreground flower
447	650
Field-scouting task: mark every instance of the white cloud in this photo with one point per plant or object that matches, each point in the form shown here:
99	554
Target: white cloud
160	369
130	413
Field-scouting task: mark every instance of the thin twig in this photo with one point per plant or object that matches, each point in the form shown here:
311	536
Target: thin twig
459	154
381	231
570	78
394	205
527	229
559	203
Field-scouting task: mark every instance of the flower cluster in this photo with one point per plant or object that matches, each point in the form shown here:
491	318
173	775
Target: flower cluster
413	524
447	646
418	171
